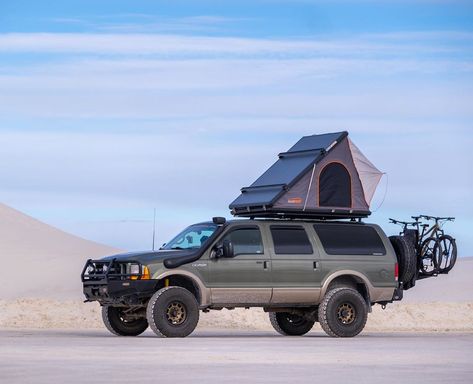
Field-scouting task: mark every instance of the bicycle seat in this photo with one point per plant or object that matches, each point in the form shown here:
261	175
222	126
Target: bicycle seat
416	218
425	225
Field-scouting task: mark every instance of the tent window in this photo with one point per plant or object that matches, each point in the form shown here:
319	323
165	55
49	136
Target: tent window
335	186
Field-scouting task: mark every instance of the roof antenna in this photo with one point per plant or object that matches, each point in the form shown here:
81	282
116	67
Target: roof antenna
154	226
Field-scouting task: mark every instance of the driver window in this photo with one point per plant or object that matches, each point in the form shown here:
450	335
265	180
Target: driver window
246	241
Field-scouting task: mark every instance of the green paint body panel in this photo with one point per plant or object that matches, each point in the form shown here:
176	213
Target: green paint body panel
267	278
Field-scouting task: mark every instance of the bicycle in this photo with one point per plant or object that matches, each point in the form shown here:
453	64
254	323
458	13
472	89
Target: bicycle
448	246
427	248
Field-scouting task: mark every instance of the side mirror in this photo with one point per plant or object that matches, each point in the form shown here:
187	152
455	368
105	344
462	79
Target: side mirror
217	251
228	248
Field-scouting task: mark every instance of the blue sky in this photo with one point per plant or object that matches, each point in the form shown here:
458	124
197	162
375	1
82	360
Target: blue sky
109	109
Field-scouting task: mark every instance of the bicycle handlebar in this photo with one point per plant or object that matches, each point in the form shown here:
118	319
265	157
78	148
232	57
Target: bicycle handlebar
436	218
394	221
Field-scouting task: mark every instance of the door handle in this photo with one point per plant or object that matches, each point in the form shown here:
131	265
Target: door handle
315	265
265	263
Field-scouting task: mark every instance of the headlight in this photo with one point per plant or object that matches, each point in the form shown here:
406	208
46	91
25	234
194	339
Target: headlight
134	269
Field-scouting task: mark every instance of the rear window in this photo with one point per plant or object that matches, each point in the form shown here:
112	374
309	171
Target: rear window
290	240
350	239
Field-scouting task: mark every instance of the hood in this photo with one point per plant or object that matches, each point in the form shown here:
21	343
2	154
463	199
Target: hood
147	257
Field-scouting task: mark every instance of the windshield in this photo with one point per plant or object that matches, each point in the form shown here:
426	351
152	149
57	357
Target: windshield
192	237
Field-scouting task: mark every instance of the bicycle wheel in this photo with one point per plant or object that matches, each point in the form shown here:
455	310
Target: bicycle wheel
449	253
430	254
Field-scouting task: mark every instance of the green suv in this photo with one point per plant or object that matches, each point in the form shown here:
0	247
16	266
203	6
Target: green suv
299	271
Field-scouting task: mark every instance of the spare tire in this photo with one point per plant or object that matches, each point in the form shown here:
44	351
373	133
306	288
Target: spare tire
406	258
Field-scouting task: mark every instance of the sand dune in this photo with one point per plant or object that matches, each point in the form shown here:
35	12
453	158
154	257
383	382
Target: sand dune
42	261
42	289
457	286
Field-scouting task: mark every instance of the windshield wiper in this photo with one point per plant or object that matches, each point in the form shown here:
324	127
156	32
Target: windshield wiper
177	248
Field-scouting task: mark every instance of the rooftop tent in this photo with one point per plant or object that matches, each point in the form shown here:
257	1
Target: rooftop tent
320	176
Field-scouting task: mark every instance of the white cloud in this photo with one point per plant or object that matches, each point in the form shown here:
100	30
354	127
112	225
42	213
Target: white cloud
155	44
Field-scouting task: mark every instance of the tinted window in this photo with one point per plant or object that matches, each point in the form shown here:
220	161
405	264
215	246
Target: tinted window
350	239
290	240
246	241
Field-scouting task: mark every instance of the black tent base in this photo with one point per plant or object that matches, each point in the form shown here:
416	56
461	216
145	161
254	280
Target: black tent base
319	214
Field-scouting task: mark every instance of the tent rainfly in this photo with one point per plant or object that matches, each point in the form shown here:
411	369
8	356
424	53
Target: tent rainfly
321	176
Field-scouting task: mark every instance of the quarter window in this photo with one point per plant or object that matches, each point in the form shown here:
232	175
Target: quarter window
350	239
246	241
290	240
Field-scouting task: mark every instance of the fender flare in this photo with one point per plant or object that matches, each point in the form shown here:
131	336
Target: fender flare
204	292
346	272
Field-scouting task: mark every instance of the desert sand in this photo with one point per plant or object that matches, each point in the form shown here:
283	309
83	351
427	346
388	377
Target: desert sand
42	288
236	356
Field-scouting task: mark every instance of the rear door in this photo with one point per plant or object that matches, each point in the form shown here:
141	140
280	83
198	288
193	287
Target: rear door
296	270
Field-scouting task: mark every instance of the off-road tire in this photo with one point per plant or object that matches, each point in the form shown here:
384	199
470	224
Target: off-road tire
450	250
288	324
435	257
406	257
166	323
113	321
334	321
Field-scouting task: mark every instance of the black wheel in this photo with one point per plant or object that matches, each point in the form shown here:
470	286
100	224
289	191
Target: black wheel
343	312
449	253
289	324
430	254
406	257
122	321
173	312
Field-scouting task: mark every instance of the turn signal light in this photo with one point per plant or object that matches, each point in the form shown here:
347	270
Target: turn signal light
145	275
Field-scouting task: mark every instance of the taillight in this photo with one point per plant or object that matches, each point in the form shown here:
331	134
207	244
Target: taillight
396	271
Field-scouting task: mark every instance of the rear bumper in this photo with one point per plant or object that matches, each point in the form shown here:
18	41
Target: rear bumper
119	291
398	293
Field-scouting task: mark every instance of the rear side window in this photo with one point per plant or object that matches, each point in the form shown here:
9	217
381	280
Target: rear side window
350	239
290	240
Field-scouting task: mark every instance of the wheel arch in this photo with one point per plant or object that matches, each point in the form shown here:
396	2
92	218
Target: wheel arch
351	279
185	280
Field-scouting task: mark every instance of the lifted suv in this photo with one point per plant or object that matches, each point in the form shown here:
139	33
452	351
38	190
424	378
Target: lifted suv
300	271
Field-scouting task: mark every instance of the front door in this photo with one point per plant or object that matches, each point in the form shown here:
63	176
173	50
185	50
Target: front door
244	278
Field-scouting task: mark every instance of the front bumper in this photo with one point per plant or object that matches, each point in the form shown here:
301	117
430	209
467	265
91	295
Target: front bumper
119	291
109	283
